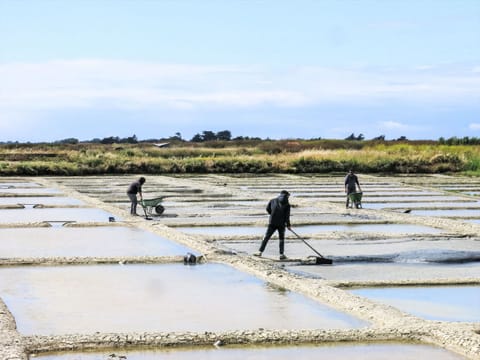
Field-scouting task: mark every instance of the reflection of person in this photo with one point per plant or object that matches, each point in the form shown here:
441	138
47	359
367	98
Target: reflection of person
279	210
134	189
351	183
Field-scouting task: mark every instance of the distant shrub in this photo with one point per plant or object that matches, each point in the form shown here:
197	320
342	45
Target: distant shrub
253	156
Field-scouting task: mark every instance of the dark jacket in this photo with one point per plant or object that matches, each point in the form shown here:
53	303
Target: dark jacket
135	188
350	181
279	210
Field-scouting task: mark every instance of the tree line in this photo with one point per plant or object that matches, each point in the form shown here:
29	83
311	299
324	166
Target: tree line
226	135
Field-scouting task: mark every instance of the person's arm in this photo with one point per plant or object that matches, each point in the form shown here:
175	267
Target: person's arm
287	213
269	207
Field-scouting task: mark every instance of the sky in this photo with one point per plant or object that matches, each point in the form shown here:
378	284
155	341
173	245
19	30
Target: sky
273	69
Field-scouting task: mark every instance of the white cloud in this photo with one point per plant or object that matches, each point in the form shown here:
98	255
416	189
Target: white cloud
393	125
474	126
142	85
396	127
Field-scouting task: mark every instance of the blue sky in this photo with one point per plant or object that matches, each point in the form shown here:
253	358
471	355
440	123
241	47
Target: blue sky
279	69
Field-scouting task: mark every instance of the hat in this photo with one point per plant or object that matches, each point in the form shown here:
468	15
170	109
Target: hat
285	192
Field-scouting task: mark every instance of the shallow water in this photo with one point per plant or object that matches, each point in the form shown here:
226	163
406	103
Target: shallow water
91	242
444	303
372	193
395	198
476	221
447	213
18	184
33	190
464	187
173	297
53	214
312	229
393	272
371	351
413	205
42	200
474	193
402	250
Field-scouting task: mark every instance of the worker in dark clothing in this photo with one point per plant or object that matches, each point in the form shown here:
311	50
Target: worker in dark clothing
279	210
351	183
134	189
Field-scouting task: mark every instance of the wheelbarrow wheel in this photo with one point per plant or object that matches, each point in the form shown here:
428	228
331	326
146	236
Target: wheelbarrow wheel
159	209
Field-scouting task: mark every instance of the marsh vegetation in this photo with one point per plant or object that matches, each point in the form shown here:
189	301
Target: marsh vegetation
242	156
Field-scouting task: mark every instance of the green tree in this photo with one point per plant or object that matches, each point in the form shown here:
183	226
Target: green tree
209	135
197	138
224	135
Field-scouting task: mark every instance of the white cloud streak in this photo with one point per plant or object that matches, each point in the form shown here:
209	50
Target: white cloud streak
142	85
393	125
400	128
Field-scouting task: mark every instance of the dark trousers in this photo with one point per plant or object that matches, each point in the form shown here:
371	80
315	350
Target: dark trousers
281	236
133	199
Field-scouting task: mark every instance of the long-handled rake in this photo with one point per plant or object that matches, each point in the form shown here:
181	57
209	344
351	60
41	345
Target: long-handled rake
320	259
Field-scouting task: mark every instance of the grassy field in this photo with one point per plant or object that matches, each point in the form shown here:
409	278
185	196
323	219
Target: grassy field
259	156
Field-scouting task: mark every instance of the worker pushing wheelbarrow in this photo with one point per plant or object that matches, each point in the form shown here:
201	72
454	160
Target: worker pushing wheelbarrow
354	197
148	205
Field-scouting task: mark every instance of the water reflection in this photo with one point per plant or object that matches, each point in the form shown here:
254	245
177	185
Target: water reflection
311	229
445	303
114	298
370	351
94	242
53	215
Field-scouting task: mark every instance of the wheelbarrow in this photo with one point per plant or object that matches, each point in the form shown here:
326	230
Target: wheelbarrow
356	199
151	205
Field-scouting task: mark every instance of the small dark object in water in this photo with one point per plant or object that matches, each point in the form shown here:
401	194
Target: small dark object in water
321	260
189	259
111	219
407	211
218	343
